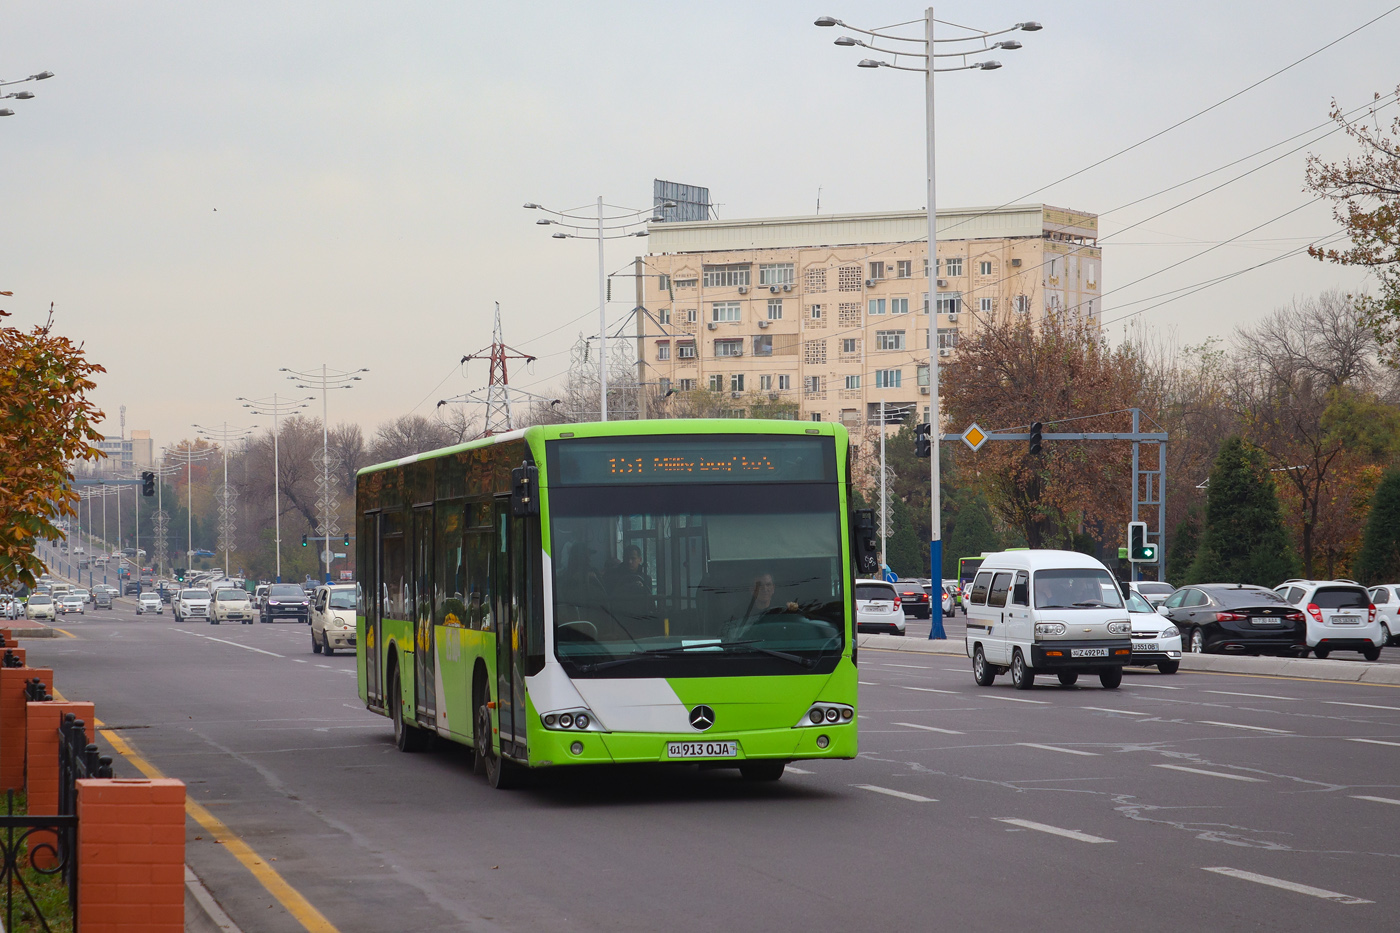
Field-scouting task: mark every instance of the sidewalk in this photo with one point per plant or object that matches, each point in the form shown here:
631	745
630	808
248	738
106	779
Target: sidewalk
1364	672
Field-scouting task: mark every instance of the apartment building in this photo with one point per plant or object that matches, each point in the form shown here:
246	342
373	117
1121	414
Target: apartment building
127	454
822	318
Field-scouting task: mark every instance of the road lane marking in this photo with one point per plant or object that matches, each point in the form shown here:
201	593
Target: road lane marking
916	667
1053	830
1235	725
1362	705
245	647
289	897
1376	742
792	770
1375	799
1219	774
895	793
915	725
1155	686
867	683
1289	886
1019	700
68	633
1056	748
1256	696
300	660
926	689
1104	709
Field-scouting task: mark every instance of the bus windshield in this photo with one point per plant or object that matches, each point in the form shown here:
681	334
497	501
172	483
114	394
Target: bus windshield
697	580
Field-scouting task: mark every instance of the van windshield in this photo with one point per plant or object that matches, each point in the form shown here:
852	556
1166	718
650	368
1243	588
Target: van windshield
1076	588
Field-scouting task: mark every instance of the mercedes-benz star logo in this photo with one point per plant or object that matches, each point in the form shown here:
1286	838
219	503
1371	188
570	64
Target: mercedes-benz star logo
702	718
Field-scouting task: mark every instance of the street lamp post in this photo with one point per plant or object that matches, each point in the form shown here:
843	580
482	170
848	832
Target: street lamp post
265	407
189	457
224	436
615	222
925	61
325	380
21	95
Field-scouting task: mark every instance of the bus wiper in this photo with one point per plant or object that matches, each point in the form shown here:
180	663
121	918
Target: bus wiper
752	645
637	656
683	650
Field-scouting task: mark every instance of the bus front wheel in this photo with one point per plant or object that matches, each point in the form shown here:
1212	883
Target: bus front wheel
406	738
762	770
499	773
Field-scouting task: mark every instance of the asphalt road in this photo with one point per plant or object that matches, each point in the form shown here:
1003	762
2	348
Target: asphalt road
1191	801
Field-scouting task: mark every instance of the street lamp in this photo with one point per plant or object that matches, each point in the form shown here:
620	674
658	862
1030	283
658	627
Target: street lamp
21	95
924	58
265	407
224	436
325	380
614	222
189	455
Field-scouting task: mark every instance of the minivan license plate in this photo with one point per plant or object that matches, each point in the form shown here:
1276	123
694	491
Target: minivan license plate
1088	652
702	749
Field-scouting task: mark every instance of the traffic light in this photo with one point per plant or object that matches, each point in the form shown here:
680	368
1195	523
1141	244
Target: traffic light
347	539
1139	550
303	540
923	446
148	483
1035	437
180	574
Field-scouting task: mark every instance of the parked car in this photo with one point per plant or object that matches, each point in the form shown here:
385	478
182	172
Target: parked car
333	619
191	603
230	604
286	601
40	606
1386	599
70	602
878	608
1236	618
149	602
1156	641
1340	616
914	599
1155	593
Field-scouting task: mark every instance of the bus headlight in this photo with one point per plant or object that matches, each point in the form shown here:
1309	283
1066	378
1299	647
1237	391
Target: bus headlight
574	720
822	714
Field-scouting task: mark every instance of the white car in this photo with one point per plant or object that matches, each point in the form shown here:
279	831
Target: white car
1155	593
1386	599
1156	641
39	606
333	619
878	608
71	602
230	605
1339	614
192	603
149	602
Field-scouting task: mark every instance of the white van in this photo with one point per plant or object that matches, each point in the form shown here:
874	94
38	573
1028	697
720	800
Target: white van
1046	612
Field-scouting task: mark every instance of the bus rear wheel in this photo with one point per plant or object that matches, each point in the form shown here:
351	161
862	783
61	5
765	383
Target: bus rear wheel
762	770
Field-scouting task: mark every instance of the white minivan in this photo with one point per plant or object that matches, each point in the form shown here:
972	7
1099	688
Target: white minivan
1046	612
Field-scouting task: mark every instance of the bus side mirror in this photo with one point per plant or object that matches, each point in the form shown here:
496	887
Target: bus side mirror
867	551
524	490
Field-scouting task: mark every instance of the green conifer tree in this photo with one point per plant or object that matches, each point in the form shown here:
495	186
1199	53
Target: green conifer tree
1379	558
1243	539
1182	552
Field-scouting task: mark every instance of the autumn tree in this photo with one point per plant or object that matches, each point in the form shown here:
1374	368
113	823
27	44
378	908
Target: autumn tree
46	422
1242	539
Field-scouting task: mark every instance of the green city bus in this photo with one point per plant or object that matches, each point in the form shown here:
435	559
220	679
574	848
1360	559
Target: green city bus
635	591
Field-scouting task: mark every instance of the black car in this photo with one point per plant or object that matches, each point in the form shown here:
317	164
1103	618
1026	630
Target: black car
914	598
1237	619
286	601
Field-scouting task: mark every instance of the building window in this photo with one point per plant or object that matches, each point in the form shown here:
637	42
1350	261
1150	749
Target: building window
663	385
877	270
850	417
685	350
923	375
811	384
726	276
949	302
816	312
899	306
905	268
775	309
691	315
716	382
984	267
850	345
765	383
733	413
889	378
663	315
987	305
686	385
685	283
776	273
763	346
736	382
889	340
724	311
952	266
784	383
853	382
814	416
1023	303
663	349
947	338
729	348
875	306
663	282
926	266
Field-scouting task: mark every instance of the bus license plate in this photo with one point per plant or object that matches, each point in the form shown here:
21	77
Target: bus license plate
1146	646
702	749
1088	652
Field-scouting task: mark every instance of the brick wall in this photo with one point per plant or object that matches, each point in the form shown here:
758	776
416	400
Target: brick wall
14	722
131	849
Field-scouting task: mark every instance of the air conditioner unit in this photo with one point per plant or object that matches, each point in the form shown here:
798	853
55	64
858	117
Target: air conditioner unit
738	351
942	283
743	289
711	325
772	396
787	288
763	323
953	317
1016	263
773	289
944	351
736	395
871	283
923	390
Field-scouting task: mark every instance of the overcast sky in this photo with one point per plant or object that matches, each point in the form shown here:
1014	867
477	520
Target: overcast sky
208	192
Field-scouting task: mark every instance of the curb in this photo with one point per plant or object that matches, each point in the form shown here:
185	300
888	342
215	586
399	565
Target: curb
202	913
28	629
1362	672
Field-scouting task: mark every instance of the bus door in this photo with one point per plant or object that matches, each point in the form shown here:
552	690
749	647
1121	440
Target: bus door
512	600
425	649
372	607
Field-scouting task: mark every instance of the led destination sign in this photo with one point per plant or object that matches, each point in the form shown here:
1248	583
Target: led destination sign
605	461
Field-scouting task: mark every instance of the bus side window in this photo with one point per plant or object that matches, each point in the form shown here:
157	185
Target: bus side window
979	588
1021	589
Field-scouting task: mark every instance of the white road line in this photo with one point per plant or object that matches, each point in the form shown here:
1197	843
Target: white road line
1015	699
895	793
1054	830
1375	799
1376	742
1104	709
1362	705
245	647
1235	725
1256	696
915	725
955	670
926	689
1289	886
326	666
299	660
792	770
1056	748
1154	686
1219	774
915	667
866	683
